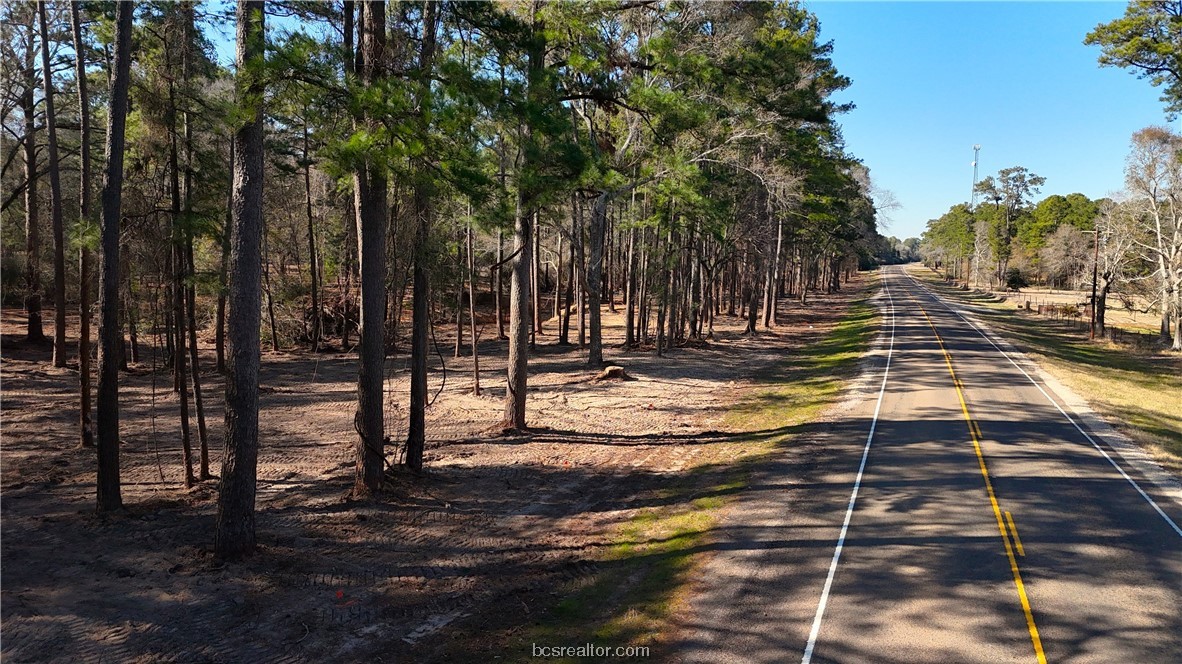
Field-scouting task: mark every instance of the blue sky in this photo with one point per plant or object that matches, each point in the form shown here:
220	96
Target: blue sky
930	79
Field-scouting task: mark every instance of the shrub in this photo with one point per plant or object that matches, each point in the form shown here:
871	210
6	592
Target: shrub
1014	279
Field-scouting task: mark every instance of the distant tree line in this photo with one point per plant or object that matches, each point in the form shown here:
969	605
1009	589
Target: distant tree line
1134	239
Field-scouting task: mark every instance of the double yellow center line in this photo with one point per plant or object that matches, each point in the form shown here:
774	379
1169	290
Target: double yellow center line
975	433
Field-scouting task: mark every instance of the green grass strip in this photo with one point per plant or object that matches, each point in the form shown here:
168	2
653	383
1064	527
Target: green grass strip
631	600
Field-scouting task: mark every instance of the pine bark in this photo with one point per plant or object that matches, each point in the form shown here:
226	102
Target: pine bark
595	280
312	261
235	527
109	496
179	265
518	366
472	306
55	198
36	329
86	432
370	188
190	266
223	275
519	286
424	213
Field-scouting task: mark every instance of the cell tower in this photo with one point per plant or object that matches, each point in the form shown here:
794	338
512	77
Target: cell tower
976	158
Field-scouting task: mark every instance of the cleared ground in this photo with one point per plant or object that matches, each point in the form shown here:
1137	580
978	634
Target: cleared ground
457	563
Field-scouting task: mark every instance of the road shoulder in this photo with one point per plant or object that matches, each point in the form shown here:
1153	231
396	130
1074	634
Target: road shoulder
1081	410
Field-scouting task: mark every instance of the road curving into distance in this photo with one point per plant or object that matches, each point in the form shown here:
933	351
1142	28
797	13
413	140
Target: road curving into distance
960	513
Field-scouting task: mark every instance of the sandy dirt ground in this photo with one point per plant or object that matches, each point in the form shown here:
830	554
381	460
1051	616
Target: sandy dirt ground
482	542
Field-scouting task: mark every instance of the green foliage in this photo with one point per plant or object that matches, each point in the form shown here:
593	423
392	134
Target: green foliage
1147	39
951	236
1015	280
1053	211
712	124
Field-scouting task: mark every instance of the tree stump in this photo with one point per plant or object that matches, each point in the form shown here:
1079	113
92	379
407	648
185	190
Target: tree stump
613	373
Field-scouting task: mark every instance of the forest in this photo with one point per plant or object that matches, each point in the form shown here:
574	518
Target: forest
1128	245
401	182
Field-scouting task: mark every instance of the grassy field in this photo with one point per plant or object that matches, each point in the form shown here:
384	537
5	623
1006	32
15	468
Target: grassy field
648	568
1137	389
1116	315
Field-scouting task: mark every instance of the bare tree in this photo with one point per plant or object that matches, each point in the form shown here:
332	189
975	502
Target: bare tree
1067	255
1117	226
1153	174
235	536
110	335
981	252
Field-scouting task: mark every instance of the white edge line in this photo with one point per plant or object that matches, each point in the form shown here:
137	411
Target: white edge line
849	512
1054	403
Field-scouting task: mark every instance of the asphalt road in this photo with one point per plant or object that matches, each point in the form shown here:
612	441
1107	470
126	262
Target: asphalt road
954	515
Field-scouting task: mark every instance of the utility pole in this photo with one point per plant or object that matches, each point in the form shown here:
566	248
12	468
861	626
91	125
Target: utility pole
976	159
1095	265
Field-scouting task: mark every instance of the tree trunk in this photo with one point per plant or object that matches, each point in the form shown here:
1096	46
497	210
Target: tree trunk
472	306
55	199
420	337
643	304
347	30
36	331
109	496
370	196
424	212
564	330
234	531
580	274
662	308
189	263
499	288
86	433
178	293
518	367
595	280
195	362
267	287
671	287
131	312
311	240
753	294
460	303
769	304
1177	321
519	287
535	306
609	246
630	290
223	274
1101	305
